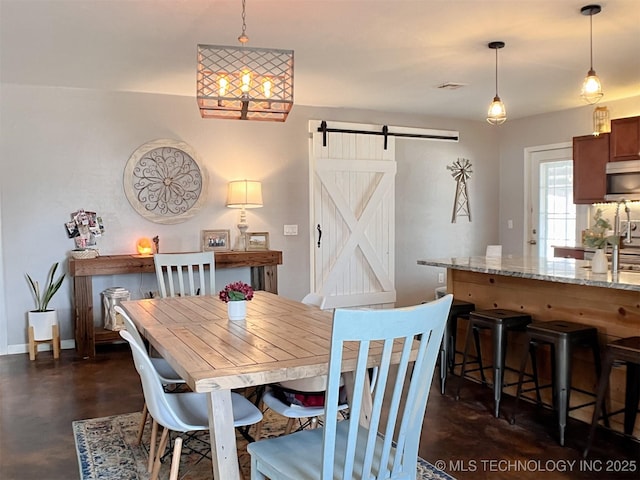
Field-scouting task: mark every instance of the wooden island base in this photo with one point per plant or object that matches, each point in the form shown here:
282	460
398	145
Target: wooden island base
615	312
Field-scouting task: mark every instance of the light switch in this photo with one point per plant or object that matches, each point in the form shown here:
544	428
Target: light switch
291	229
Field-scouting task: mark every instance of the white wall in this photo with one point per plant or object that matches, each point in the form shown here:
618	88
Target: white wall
64	149
547	129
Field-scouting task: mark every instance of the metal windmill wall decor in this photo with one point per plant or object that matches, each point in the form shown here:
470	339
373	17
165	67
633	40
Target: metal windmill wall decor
461	172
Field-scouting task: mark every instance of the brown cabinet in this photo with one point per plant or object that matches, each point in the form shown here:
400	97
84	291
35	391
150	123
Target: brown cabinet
625	139
590	157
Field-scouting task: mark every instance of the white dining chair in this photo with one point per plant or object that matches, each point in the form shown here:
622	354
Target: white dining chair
181	274
493	251
166	374
305	415
377	449
180	412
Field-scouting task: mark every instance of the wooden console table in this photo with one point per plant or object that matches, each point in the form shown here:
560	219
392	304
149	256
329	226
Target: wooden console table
264	276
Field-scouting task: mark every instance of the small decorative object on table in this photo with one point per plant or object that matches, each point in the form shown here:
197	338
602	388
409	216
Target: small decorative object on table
236	295
596	237
85	227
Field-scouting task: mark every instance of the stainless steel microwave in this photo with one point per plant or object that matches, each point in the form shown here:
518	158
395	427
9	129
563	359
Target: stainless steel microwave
623	180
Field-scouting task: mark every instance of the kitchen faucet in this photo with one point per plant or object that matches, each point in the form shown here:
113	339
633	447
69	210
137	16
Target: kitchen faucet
615	254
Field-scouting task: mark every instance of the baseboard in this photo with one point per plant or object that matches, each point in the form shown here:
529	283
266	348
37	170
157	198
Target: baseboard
24	348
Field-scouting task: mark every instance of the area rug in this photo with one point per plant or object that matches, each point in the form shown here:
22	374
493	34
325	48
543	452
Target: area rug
106	450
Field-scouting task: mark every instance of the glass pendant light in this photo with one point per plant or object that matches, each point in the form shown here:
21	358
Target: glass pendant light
591	87
497	113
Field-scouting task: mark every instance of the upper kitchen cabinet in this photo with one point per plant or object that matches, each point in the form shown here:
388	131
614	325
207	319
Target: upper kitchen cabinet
625	139
590	157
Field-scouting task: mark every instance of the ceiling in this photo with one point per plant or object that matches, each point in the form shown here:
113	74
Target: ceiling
388	55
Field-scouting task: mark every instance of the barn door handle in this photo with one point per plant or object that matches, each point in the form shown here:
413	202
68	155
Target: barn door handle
319	234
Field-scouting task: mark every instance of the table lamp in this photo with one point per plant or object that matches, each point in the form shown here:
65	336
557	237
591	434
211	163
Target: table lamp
244	194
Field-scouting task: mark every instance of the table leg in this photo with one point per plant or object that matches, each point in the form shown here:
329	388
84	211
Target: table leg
224	453
367	401
83	305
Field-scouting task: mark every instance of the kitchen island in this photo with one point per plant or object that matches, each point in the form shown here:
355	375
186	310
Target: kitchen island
552	289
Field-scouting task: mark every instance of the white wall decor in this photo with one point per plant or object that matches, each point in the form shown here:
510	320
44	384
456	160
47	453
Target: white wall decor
165	182
461	172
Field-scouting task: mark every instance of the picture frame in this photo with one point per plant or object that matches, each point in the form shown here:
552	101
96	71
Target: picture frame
215	240
257	241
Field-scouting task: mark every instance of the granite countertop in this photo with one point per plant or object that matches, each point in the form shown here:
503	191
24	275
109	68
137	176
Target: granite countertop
561	270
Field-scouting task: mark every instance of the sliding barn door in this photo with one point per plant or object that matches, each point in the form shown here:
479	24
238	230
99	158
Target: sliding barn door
352	182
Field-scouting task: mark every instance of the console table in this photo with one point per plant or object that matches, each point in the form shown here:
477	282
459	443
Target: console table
264	276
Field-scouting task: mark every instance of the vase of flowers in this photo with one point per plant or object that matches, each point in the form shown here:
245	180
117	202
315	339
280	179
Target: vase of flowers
236	295
597	237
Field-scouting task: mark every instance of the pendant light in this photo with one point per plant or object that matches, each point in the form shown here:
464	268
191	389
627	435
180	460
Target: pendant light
591	87
244	83
497	113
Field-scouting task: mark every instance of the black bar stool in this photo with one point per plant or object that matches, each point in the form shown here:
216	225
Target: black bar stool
500	322
627	351
562	336
459	309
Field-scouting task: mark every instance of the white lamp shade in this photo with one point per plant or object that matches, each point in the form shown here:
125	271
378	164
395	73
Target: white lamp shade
244	194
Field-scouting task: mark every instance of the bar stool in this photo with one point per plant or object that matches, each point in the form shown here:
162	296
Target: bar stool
626	350
500	322
459	309
562	336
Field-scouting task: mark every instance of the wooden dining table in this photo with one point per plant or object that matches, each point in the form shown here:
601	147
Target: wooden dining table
280	339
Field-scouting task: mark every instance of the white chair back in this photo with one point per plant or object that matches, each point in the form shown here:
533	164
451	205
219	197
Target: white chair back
408	388
154	395
176	273
129	326
493	251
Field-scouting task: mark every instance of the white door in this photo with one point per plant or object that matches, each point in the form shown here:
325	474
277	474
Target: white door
552	217
353	219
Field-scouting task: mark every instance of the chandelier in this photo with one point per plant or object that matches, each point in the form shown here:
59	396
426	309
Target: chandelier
243	83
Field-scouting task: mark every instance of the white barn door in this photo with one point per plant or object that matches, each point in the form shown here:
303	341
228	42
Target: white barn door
353	219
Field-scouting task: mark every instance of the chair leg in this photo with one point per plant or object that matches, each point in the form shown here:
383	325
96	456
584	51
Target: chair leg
631	398
255	473
463	368
476	339
289	426
523	366
602	390
152	445
33	348
161	448
56	340
143	421
175	459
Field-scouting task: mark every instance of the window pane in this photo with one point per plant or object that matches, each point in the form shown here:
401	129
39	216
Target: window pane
557	210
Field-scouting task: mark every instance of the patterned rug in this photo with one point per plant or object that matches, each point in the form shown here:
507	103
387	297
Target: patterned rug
106	450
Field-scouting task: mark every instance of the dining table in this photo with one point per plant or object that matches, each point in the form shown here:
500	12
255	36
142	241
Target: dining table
280	339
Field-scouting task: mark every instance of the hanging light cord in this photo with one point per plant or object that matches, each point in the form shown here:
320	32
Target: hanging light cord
496	72
590	41
243	37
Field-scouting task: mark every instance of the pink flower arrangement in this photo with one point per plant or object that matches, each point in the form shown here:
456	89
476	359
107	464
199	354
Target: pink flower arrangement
236	291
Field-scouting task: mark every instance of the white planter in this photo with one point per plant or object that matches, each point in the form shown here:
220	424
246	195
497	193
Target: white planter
599	262
42	323
237	310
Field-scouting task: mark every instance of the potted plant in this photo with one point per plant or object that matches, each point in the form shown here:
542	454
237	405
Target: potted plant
236	295
596	237
43	322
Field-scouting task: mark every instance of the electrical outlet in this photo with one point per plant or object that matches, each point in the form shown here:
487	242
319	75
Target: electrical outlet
509	224
441	278
291	229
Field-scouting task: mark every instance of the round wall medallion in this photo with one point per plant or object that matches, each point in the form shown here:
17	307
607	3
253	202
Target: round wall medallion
165	182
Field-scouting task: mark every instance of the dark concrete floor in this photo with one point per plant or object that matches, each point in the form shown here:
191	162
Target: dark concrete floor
40	399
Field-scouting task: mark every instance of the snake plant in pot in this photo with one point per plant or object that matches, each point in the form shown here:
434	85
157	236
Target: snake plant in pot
42	319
